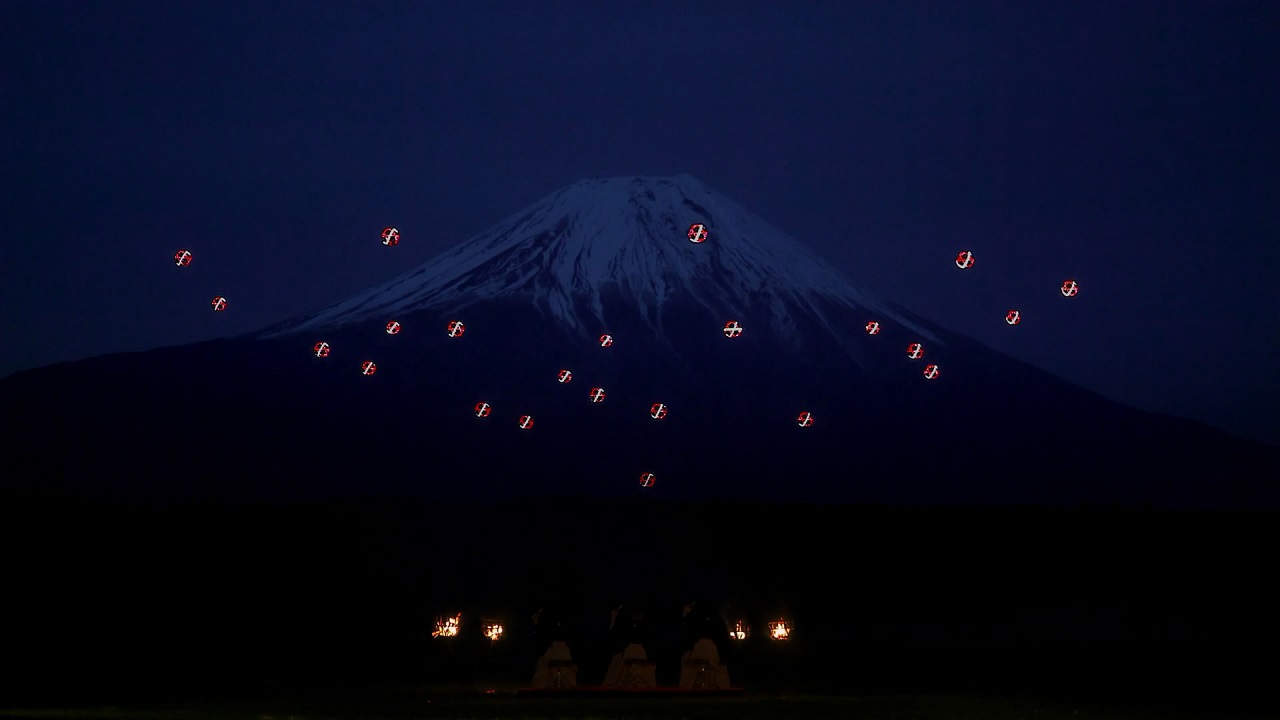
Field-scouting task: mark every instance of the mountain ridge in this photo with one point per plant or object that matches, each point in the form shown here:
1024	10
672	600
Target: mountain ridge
260	416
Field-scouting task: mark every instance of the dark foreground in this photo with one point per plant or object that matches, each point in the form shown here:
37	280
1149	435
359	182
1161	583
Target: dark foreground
426	702
220	611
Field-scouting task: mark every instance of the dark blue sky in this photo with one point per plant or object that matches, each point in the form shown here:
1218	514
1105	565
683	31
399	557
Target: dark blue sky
1131	145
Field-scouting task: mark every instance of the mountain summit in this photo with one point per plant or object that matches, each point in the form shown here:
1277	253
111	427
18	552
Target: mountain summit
625	240
802	404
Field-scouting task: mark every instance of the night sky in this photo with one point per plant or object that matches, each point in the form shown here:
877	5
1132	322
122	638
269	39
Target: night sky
1129	145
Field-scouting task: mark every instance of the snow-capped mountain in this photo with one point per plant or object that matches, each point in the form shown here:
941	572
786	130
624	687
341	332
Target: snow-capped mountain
628	237
804	404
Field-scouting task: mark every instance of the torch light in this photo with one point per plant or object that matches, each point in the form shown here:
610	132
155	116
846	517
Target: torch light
447	626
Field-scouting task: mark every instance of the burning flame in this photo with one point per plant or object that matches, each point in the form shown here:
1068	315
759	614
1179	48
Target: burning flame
740	631
493	631
447	627
779	630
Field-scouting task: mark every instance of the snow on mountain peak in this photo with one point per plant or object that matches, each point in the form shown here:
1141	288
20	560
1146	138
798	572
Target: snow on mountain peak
630	233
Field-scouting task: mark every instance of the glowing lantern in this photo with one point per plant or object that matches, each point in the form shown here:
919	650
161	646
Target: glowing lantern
492	630
597	395
964	260
915	351
564	376
182	258
740	631
447	626
804	419
1070	288
456	329
526	422
393	327
697	233
873	328
483	409
780	630
219	304
1013	317
931	371
658	411
732	329
390	236
321	349
606	340
646	479
368	368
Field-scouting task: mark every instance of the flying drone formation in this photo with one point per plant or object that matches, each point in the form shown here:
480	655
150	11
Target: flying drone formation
698	234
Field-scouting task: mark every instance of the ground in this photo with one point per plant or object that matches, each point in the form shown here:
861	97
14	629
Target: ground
454	703
323	613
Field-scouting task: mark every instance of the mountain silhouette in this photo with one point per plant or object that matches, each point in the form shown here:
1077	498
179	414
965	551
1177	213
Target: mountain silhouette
262	417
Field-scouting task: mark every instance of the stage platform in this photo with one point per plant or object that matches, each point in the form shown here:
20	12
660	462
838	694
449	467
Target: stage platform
600	691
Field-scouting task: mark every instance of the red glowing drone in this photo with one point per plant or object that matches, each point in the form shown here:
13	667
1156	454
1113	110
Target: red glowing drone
1013	317
182	258
219	304
483	409
732	329
964	260
697	233
393	327
1070	288
368	368
606	340
456	329
321	349
390	236
915	351
658	411
873	328
596	395
804	419
526	422
564	376
646	479
931	371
